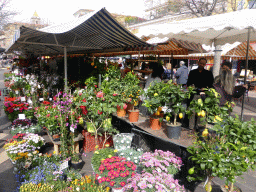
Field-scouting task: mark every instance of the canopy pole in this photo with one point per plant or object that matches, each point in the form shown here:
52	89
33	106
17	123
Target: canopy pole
65	69
217	60
246	67
172	66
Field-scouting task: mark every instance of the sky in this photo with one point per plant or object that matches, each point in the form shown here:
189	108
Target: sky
60	11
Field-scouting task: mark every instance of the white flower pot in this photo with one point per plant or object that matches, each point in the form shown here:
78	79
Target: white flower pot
117	189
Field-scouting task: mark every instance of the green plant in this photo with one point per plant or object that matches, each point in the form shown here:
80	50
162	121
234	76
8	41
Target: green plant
218	157
176	96
100	155
156	97
208	109
75	158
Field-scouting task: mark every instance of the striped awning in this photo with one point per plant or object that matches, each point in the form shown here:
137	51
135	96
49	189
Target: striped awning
240	51
163	47
95	32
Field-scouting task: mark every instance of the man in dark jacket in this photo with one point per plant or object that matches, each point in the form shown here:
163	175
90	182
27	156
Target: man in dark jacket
199	78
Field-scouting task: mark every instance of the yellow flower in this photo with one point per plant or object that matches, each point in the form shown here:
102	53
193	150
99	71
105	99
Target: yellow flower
96	147
115	150
54	152
109	156
97	152
107	145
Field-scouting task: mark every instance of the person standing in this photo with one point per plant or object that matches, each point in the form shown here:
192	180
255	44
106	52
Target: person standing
182	74
199	78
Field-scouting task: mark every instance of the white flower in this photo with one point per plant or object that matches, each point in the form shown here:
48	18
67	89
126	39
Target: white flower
135	161
122	141
131	153
135	157
128	158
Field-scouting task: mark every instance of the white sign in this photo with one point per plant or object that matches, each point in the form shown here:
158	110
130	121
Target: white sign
41	99
64	165
22	116
72	129
22	99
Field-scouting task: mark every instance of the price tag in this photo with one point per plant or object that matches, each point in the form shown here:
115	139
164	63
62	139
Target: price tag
22	116
72	129
50	99
22	99
41	99
64	165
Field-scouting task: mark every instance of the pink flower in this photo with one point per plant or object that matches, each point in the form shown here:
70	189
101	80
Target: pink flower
142	184
48	115
80	94
11	110
122	183
112	183
114	94
99	94
125	106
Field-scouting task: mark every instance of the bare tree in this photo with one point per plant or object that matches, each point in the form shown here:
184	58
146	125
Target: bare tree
201	7
5	14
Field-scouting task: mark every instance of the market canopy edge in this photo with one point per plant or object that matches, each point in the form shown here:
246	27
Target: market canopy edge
96	32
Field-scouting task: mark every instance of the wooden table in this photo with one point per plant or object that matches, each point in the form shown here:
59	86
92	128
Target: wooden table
57	144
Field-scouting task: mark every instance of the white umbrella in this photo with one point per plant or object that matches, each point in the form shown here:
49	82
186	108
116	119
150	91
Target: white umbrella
218	29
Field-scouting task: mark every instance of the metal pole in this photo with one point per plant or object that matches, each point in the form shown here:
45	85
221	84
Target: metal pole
246	67
65	69
172	66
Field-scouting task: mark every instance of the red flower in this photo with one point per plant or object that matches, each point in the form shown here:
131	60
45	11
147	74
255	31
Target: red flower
95	86
125	106
48	115
54	98
80	94
122	183
11	110
100	112
99	94
84	100
114	94
112	183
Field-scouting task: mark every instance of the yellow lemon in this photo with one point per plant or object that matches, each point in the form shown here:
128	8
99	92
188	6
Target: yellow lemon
205	133
200	102
206	187
167	118
156	94
199	114
202	113
180	115
157	113
159	109
218	118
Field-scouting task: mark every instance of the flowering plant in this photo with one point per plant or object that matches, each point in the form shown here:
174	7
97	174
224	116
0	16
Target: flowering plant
86	184
161	161
131	154
122	141
147	182
115	171
100	155
34	140
45	187
31	129
21	122
19	136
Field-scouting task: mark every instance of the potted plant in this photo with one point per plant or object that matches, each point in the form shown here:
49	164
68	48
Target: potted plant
76	162
156	98
176	96
123	141
149	182
100	155
110	176
161	161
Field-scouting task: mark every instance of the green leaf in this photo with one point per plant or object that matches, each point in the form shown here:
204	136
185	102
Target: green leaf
202	165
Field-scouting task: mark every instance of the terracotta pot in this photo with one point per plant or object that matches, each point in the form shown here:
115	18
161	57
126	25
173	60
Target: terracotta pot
56	137
129	107
121	112
134	115
155	124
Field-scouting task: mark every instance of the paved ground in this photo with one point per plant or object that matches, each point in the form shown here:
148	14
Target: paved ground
9	184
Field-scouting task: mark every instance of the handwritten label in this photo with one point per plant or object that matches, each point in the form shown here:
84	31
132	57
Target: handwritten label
64	165
22	116
72	129
41	99
22	99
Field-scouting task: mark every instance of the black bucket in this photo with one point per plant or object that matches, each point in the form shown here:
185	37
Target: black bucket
173	132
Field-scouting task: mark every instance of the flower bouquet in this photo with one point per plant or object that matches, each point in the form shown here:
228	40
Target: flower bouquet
147	182
161	161
122	141
115	171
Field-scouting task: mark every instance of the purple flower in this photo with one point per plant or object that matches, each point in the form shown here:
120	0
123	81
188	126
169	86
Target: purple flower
67	124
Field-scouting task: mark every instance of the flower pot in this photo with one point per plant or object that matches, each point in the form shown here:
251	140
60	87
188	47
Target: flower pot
155	124
173	131
224	189
120	189
134	115
121	112
139	169
77	165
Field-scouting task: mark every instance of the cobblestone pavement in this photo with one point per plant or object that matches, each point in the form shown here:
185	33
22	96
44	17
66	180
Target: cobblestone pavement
9	184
